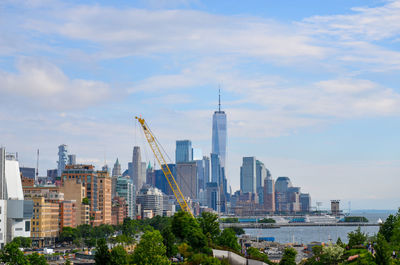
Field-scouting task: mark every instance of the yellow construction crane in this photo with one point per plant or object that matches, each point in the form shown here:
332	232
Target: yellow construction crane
164	166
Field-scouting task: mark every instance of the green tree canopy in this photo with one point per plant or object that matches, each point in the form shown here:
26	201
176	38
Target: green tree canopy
118	256
11	254
382	255
356	237
228	239
289	257
36	259
169	241
209	224
150	250
102	256
68	234
22	242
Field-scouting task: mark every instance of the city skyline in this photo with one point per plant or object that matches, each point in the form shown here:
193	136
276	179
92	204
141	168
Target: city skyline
311	92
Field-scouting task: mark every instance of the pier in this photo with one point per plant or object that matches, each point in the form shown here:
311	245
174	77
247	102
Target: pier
275	225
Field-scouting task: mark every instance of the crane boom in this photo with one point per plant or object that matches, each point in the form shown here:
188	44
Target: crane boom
164	166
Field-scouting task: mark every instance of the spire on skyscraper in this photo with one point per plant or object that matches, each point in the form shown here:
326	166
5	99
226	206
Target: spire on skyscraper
219	97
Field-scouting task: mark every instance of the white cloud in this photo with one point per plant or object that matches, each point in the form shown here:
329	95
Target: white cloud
125	32
40	83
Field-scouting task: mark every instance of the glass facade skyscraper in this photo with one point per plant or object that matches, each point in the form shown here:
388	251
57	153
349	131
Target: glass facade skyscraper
183	151
219	135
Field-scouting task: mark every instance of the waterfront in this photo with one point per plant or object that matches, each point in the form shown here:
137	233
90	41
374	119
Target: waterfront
304	234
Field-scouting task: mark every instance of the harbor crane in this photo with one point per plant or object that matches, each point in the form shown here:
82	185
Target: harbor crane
155	147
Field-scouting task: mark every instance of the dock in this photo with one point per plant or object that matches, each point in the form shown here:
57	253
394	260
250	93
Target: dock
275	225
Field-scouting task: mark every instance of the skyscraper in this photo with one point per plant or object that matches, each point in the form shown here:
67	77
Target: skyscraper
219	133
269	193
248	175
71	159
261	174
183	151
137	176
116	169
215	168
62	159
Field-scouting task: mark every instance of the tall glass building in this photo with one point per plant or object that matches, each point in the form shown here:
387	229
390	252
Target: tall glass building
183	151
219	135
62	159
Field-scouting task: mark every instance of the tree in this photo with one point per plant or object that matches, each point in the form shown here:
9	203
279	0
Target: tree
169	241
289	257
85	201
150	250
102	256
228	239
187	229
103	231
209	225
118	256
182	225
340	243
85	231
36	259
238	230
356	237
258	255
387	227
68	234
23	242
11	254
332	253
382	255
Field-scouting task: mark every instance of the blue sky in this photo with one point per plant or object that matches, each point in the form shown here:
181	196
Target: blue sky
311	88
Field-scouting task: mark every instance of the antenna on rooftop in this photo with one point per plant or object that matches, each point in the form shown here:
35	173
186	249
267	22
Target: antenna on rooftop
37	165
219	97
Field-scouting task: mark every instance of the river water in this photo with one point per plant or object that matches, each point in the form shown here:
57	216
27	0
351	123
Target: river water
307	234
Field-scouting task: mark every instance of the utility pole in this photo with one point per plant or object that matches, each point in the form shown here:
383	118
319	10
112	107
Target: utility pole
37	166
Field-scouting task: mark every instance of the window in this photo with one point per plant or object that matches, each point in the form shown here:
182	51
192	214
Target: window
27	226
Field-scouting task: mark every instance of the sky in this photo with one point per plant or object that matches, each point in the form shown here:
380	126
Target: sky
310	88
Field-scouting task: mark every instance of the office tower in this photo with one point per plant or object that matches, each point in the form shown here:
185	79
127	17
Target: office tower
261	174
143	172
248	175
88	177
104	196
206	161
16	213
150	176
62	159
269	193
137	176
161	182
183	151
212	191
126	190
219	133
116	171
45	225
294	199
151	201
282	186
335	207
28	172
215	168
305	202
51	175
74	191
200	175
119	210
3	195
186	178
71	159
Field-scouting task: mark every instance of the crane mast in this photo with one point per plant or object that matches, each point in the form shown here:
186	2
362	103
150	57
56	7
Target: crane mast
164	166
